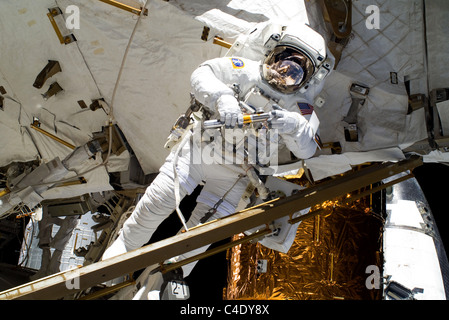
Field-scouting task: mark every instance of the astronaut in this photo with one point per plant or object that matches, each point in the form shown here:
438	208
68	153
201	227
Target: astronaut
289	76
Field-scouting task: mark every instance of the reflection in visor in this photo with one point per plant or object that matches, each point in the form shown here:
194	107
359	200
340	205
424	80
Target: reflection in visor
285	73
287	69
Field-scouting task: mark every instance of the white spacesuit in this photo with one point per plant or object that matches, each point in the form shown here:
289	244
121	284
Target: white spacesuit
286	78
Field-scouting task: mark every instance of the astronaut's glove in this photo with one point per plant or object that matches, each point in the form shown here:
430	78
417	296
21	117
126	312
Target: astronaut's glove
230	112
285	122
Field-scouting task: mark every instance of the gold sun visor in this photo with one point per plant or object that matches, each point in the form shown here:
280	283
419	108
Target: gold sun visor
287	69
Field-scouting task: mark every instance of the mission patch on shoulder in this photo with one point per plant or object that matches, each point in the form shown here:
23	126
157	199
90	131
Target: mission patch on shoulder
237	63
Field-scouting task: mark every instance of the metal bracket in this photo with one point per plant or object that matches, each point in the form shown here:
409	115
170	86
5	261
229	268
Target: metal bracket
99	104
438	138
47	72
221	42
205	33
55	16
36	126
125	7
358	95
2	91
335	147
397	291
52	90
339	15
416	101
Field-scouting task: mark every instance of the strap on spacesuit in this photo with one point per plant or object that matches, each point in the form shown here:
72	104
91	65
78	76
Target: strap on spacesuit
176	179
214	209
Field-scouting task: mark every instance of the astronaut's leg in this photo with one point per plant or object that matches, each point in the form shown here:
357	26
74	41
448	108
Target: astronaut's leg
157	204
151	284
220	181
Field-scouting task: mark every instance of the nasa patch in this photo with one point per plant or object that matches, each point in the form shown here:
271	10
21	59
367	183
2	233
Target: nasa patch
237	63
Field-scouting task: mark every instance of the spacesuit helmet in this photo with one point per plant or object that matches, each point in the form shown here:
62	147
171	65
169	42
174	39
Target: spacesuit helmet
295	55
287	69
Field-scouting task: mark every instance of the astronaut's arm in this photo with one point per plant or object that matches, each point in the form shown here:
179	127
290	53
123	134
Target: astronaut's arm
207	87
209	90
296	132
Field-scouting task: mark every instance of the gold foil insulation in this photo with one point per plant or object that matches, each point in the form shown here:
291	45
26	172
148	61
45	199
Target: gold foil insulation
327	260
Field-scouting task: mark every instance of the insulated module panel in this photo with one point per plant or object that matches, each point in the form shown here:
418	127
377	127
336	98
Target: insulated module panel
328	259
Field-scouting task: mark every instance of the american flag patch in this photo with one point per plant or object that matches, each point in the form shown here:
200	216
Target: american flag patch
305	108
